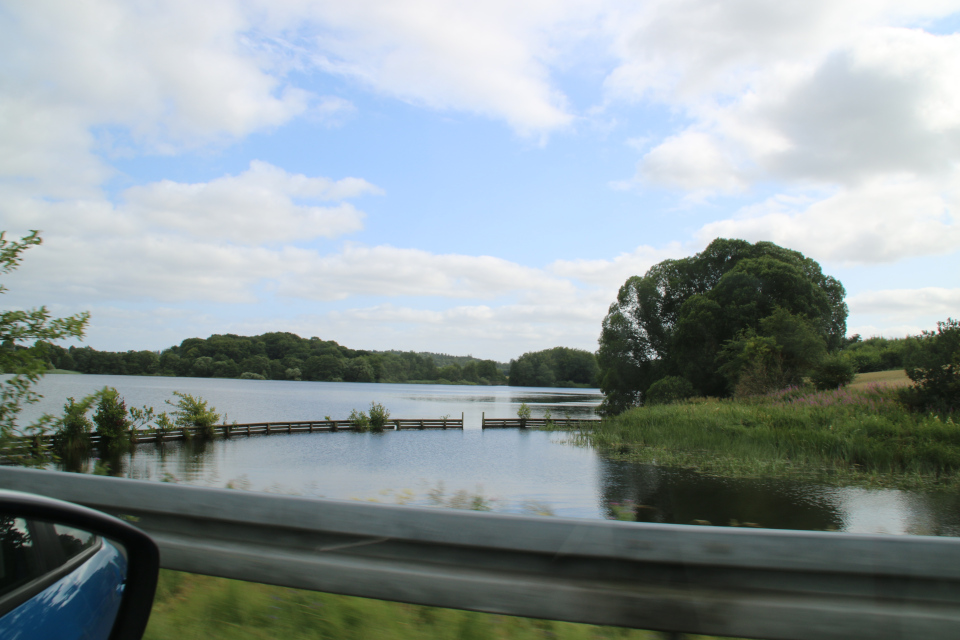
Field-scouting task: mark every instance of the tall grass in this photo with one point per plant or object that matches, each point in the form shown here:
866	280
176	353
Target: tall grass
861	432
189	607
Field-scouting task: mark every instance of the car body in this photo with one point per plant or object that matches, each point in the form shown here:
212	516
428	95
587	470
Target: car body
71	573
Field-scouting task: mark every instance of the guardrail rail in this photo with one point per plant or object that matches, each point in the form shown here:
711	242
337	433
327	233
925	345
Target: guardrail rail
785	585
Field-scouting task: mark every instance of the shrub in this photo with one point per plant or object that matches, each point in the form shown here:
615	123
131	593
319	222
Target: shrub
669	390
935	370
111	417
193	412
833	372
359	420
250	375
378	416
524	411
73	432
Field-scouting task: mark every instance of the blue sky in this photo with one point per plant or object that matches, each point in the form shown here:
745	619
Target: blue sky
472	178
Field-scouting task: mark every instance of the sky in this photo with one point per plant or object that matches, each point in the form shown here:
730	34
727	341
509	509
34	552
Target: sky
467	177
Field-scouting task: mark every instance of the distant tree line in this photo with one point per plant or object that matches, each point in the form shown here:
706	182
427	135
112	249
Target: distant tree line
273	356
557	367
879	354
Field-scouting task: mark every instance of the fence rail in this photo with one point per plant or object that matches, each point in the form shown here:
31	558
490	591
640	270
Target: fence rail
784	585
534	423
260	428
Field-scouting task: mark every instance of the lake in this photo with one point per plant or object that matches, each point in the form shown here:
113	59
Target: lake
511	470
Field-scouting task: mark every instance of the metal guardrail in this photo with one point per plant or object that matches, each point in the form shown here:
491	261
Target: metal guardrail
787	585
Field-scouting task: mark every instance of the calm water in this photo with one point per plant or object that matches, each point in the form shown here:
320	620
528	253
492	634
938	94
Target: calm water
515	470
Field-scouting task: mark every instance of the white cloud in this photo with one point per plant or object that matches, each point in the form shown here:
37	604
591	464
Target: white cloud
390	271
884	220
255	207
491	58
927	301
611	274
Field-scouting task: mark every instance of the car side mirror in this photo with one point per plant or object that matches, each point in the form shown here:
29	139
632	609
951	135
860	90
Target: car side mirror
67	571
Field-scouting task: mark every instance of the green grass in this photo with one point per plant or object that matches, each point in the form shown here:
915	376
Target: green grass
893	378
189	606
851	435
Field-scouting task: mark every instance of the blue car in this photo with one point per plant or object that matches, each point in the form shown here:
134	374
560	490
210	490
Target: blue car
61	578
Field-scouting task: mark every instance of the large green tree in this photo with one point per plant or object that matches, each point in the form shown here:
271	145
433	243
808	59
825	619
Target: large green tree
18	329
676	319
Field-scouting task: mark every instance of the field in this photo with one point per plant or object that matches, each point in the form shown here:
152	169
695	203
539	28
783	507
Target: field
892	379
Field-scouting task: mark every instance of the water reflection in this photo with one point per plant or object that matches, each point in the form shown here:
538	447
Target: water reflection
656	494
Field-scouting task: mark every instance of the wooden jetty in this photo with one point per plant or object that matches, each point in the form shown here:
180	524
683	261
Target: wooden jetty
535	423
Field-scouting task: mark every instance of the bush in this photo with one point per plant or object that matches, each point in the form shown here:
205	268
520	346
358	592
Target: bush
833	372
250	375
524	411
669	390
378	416
935	370
111	417
193	412
359	420
73	432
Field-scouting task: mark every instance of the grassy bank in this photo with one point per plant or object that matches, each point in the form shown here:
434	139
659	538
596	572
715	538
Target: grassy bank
851	435
190	606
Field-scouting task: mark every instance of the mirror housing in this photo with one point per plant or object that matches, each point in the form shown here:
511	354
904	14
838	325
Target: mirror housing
142	555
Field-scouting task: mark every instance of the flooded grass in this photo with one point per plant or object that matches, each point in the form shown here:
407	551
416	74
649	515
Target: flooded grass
859	435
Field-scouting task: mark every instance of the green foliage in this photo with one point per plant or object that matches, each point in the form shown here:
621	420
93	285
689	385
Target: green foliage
190	607
858	435
935	370
359	420
557	367
277	356
879	354
193	412
111	417
786	349
524	411
832	372
669	389
677	318
74	427
28	364
378	416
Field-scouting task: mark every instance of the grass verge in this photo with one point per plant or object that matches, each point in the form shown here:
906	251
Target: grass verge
189	606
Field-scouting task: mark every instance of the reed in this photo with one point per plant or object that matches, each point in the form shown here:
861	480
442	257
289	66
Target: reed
850	432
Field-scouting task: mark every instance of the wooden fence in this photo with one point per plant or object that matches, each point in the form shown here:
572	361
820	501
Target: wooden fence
261	428
535	423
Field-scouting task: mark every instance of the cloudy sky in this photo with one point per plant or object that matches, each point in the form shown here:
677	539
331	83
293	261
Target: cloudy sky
467	177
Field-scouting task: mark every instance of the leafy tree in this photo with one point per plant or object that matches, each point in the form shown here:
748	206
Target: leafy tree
16	328
677	318
669	389
559	366
935	370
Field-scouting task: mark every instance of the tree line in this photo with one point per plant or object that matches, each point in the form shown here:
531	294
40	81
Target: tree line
274	356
